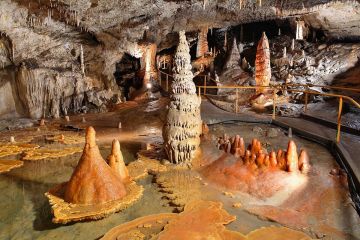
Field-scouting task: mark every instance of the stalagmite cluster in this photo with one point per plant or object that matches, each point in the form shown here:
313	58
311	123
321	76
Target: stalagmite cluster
93	181
262	64
183	125
202	45
255	155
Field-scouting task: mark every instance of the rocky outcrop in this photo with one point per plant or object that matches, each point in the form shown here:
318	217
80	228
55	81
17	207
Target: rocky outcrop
262	64
93	181
183	124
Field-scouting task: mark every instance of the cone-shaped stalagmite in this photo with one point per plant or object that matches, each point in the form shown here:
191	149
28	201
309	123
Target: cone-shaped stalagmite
234	58
202	46
304	162
262	64
93	181
116	161
292	160
183	125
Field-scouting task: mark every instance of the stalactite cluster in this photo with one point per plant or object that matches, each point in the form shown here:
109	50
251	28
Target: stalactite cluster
183	125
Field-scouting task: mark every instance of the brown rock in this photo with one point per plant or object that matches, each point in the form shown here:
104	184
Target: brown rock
93	181
116	161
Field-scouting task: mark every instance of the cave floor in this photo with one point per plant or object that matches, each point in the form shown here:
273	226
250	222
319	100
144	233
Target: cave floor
320	206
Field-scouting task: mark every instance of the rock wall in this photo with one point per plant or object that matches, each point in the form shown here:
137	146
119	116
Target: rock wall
183	124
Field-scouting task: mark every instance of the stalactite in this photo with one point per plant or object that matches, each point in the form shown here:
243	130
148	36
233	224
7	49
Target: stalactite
183	125
262	64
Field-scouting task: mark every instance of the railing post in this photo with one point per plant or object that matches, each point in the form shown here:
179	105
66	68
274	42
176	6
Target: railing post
237	100
205	85
199	91
339	120
306	101
274	104
167	82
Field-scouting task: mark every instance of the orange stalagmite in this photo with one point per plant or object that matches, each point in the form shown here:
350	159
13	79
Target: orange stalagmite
304	162
116	161
292	159
93	181
262	64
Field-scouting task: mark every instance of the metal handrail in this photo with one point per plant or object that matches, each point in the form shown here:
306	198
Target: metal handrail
275	88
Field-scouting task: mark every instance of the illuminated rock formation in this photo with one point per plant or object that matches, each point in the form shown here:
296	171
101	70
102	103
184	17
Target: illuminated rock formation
116	161
183	125
202	45
93	181
148	62
262	64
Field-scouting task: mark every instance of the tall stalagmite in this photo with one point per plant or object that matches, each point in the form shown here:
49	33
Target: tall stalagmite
262	64
182	129
234	58
93	181
202	46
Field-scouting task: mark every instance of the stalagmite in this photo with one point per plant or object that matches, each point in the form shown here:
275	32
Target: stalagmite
225	40
42	122
293	44
304	162
292	161
284	53
116	161
82	60
67	118
12	139
279	32
262	64
233	60
202	45
183	125
119	125
93	181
